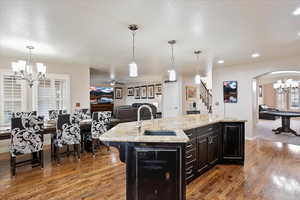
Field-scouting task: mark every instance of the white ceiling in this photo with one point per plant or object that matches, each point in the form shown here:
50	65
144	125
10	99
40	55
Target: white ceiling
94	32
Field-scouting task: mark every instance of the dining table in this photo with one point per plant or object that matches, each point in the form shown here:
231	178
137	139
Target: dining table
50	127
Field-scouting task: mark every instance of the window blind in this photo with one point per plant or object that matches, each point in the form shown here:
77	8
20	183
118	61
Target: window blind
12	98
51	95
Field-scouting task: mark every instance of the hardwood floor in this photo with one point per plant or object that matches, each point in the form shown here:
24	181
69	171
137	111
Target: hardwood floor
271	171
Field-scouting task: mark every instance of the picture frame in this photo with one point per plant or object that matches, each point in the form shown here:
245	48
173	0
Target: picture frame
130	91
150	91
158	89
191	93
137	94
118	93
144	92
230	91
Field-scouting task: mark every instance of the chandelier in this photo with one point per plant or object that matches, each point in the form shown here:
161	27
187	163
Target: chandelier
284	86
24	70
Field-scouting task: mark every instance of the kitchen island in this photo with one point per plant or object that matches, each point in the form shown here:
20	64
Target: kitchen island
166	154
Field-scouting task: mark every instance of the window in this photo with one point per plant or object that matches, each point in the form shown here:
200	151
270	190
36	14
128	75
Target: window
52	94
281	100
294	98
12	97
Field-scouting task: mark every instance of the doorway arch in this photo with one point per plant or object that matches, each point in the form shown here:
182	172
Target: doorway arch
255	91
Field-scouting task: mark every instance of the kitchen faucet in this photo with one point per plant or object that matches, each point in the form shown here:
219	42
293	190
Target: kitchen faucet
139	122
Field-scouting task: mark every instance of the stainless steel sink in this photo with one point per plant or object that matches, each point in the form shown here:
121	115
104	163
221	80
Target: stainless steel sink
159	133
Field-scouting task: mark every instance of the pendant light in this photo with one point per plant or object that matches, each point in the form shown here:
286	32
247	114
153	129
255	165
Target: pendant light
197	76
133	68
172	72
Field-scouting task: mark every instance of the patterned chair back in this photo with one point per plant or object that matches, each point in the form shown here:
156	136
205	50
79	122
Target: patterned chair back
53	114
23	114
67	130
100	120
26	134
82	113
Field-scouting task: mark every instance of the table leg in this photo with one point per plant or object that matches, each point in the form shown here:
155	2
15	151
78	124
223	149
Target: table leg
285	126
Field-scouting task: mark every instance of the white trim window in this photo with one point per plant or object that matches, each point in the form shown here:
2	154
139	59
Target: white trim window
13	97
294	98
53	93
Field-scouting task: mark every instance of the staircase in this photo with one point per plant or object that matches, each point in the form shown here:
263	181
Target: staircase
206	97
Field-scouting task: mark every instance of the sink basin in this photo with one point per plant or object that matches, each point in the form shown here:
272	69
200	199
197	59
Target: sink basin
160	133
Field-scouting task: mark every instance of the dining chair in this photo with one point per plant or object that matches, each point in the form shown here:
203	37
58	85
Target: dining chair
53	115
100	122
23	114
26	137
67	133
81	113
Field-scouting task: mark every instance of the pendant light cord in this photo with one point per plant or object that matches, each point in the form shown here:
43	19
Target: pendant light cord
133	46
172	58
197	57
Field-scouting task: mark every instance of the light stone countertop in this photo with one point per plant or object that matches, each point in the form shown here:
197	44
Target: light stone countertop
128	132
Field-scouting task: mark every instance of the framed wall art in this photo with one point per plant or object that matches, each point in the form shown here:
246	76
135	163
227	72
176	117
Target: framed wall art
130	91
230	91
158	89
191	93
150	91
118	93
137	94
144	92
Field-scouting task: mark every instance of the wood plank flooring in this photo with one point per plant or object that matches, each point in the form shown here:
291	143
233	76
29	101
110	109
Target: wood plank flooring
271	172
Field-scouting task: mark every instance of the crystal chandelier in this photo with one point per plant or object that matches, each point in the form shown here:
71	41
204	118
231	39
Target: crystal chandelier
133	68
284	86
197	76
172	72
24	70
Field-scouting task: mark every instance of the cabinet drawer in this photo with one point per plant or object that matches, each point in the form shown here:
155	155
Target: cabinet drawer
207	129
190	133
190	157
191	145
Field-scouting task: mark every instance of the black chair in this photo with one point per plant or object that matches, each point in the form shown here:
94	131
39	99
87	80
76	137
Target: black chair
67	133
100	123
26	137
262	115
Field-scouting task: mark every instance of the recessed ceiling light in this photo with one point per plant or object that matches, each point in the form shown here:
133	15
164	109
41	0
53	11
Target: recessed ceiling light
298	33
221	61
255	55
296	12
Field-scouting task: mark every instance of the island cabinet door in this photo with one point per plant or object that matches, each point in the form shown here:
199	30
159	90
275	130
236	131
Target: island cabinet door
213	148
202	154
233	142
157	174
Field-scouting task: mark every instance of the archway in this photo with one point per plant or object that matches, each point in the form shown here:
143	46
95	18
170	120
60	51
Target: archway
263	93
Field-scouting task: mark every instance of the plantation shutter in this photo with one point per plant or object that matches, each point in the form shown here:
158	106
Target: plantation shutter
12	97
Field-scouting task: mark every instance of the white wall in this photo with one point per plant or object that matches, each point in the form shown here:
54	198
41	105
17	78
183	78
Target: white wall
245	74
79	84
